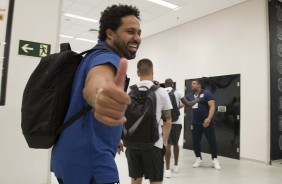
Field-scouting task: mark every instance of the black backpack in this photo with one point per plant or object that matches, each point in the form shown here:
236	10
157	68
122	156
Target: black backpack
46	97
175	109
141	131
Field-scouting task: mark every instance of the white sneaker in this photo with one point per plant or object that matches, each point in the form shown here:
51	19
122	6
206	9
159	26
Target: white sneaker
215	164
175	169
198	162
167	173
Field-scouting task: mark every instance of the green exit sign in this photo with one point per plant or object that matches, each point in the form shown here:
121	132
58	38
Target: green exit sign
34	49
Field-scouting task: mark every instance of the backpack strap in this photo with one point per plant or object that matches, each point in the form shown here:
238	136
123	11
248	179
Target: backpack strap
172	91
154	87
64	47
84	110
98	47
134	87
126	83
103	47
73	118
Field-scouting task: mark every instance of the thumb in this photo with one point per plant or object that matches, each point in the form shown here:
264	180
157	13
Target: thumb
121	72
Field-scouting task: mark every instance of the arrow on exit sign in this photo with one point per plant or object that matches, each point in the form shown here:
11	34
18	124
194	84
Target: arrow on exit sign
34	49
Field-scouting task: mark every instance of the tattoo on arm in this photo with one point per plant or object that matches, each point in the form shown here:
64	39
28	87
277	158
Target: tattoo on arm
189	103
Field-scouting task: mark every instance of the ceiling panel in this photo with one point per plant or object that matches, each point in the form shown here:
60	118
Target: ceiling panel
154	18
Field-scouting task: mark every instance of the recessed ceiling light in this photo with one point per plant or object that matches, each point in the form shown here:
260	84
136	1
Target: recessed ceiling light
80	17
81	39
87	40
66	36
164	3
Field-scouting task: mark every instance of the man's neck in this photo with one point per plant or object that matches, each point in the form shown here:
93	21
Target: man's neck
114	48
198	92
146	78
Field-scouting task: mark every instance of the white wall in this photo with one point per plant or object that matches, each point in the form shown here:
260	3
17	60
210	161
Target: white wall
232	41
38	21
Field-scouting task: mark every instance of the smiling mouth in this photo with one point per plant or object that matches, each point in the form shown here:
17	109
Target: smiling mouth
133	47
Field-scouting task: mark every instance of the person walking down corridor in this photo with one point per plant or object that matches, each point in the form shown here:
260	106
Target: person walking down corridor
146	158
178	101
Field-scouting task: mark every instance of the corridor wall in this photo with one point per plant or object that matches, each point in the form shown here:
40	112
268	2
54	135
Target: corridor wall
231	41
36	21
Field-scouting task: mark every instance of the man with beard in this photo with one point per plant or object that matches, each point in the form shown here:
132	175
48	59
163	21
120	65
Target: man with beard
202	122
85	151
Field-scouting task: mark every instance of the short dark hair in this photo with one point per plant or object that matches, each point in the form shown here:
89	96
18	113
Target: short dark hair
144	66
111	18
168	82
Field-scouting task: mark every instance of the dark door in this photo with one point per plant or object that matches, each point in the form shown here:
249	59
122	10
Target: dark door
226	91
275	38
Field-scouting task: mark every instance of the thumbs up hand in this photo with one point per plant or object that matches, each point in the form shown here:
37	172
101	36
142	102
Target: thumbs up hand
121	73
110	101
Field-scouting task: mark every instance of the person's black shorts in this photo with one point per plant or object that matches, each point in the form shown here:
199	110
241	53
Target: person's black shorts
174	134
148	163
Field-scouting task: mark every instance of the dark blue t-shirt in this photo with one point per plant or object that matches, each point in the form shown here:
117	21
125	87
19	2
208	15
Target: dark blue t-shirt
87	147
200	111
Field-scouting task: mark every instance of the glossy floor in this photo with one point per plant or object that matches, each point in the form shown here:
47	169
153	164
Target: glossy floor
233	171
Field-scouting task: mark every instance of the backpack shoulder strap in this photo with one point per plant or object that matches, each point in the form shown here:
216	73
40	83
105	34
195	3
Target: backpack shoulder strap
73	118
172	91
133	87
98	47
154	87
64	47
126	83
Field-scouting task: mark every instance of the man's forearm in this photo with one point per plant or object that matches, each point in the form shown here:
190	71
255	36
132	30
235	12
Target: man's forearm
189	103
166	130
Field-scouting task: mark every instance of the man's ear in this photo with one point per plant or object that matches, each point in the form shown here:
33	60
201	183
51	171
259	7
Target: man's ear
109	33
138	74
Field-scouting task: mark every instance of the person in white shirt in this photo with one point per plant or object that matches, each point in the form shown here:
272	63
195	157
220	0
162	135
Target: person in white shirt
149	163
175	129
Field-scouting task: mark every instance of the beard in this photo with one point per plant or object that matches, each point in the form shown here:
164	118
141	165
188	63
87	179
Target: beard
122	49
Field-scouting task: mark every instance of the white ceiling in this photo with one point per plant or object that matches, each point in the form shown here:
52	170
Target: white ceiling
154	18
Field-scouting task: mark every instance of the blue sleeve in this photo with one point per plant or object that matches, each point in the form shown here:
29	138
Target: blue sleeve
100	58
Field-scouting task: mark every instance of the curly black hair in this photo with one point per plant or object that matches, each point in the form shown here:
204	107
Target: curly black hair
111	18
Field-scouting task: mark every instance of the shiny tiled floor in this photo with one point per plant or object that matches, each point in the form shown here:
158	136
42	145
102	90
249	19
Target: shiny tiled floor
233	171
